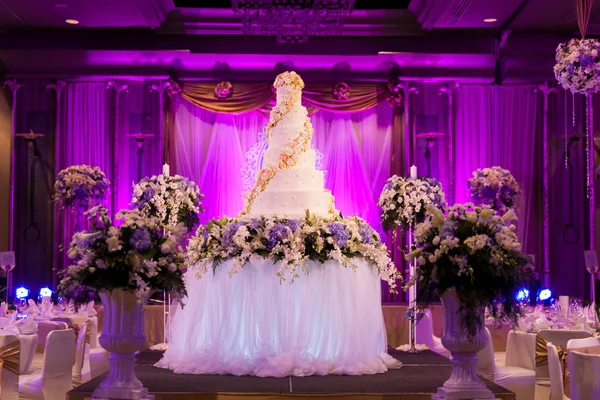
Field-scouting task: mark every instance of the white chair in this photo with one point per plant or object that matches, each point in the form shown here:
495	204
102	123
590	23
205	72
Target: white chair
579	343
519	380
81	349
54	380
44	328
555	368
559	337
10	354
424	335
584	370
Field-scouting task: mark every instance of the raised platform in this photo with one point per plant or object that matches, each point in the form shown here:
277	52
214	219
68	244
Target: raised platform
418	379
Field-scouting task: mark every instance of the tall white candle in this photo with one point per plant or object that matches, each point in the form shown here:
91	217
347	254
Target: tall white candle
413	171
166	170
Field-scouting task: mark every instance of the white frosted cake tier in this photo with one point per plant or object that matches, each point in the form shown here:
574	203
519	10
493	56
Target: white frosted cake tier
288	128
306	160
284	92
288	180
292	204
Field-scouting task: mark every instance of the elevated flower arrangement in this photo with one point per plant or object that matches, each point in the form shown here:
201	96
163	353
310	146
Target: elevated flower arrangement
471	258
496	187
577	65
80	187
404	200
125	263
171	199
292	242
140	255
476	252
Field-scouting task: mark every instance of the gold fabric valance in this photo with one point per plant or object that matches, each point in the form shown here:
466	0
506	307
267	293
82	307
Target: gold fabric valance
246	97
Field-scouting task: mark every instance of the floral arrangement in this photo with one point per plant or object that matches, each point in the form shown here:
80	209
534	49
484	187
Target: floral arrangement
578	65
495	187
405	200
140	255
223	90
80	187
290	241
476	252
341	91
288	78
394	94
172	199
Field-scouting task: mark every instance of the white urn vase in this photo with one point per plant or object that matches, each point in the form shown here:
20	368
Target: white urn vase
122	335
463	382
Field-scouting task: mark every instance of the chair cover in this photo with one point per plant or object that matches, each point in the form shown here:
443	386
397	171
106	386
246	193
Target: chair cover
555	369
424	335
44	328
579	343
81	349
54	380
10	354
584	370
559	337
521	381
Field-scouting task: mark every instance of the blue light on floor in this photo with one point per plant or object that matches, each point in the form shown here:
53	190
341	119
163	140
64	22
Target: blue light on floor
22	293
523	295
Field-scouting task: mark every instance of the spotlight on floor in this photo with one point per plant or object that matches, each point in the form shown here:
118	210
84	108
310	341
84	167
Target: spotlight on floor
45	292
22	293
523	295
544	296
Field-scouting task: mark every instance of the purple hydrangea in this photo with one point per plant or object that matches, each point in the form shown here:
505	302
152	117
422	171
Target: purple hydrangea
140	239
256	224
293	224
227	238
276	235
205	233
366	233
339	233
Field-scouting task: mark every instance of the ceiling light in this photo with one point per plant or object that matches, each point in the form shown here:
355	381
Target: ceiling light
72	21
490	20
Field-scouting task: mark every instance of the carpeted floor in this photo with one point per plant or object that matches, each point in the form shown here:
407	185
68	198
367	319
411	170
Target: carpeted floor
419	377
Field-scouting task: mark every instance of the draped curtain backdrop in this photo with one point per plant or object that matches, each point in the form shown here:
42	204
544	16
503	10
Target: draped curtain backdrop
85	138
501	126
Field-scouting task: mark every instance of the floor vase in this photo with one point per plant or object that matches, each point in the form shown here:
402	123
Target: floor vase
122	335
463	382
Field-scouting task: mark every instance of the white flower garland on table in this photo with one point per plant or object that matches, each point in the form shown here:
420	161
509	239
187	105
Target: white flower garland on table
404	200
80	187
172	199
578	65
291	242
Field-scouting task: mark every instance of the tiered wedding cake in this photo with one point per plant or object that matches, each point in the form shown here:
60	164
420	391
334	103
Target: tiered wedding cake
289	183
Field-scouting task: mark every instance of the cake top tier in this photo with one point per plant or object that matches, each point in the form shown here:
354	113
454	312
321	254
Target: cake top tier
290	79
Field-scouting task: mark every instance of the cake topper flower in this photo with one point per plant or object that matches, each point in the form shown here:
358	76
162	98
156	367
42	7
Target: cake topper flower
341	91
223	90
289	79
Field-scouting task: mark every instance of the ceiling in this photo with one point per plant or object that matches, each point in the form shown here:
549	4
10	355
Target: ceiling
422	38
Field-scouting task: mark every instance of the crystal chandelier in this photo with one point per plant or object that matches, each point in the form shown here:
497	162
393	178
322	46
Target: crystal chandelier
293	21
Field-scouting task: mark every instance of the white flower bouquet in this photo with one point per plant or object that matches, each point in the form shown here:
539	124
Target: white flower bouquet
172	199
80	187
291	242
475	251
404	200
578	65
141	255
496	187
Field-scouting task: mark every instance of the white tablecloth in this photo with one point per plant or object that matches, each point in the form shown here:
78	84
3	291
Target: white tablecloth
327	322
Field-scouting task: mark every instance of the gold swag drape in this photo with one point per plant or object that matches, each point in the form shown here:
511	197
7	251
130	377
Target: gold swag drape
246	97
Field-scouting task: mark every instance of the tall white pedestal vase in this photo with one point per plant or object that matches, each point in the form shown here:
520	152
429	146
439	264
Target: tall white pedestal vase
463	382
122	335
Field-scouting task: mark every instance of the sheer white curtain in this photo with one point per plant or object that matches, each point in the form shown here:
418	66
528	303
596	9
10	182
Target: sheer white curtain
356	155
211	150
499	126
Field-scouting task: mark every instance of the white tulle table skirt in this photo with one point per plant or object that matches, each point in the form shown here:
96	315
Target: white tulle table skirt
327	322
